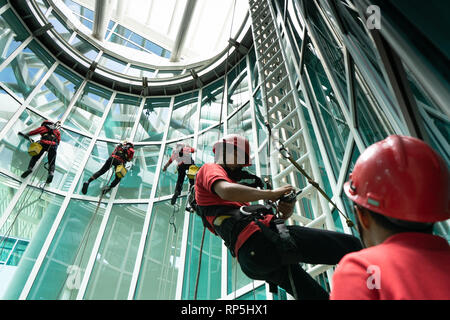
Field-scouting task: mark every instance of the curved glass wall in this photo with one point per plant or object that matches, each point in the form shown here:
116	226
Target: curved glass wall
57	243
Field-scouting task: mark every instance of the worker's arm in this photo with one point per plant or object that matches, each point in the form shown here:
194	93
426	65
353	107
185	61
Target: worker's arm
37	131
169	162
240	193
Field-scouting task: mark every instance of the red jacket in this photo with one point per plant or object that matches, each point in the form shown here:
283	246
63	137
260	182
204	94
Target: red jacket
123	154
185	158
46	137
406	266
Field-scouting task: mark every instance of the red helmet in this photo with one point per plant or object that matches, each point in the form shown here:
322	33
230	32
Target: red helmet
402	178
237	141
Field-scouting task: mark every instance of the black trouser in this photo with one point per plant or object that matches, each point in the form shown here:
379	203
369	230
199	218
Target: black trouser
51	157
181	175
108	164
260	259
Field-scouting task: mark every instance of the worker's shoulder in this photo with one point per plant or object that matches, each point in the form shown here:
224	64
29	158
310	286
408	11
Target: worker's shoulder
209	166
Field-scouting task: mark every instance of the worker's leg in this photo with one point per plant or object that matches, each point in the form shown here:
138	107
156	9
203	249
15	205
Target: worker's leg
260	260
51	158
317	246
103	169
180	180
33	160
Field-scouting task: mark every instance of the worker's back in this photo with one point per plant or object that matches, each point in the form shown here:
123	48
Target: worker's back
411	266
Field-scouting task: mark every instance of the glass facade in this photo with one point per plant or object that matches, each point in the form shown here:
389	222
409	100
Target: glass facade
58	243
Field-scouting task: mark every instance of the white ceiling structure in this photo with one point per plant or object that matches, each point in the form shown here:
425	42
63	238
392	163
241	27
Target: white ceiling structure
193	30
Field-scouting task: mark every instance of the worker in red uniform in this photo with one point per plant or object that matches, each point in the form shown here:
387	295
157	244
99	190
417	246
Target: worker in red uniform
50	139
122	154
183	155
265	247
400	188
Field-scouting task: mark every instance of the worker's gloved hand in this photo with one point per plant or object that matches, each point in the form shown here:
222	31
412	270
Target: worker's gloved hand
277	193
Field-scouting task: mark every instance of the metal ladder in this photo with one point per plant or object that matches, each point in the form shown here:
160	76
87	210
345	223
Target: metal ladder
284	113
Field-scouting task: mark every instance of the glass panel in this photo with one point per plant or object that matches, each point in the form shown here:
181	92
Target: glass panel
254	68
329	116
140	72
241	123
26	70
138	182
12	34
113	269
64	264
8	188
87	112
256	294
184	115
238	87
206	140
212	104
8	106
84	48
161	260
121	117
367	120
209	284
328	46
31	221
54	97
168	179
111	63
60	26
154	119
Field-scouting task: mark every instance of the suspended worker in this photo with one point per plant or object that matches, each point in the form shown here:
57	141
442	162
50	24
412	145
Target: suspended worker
122	154
182	154
50	139
252	236
399	187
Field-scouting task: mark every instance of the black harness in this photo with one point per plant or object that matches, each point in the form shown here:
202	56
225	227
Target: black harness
231	221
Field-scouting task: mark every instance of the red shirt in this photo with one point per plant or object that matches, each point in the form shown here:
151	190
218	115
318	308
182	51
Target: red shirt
43	130
127	154
406	266
208	174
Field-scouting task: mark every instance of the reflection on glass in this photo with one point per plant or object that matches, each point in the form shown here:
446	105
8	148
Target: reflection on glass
121	117
30	221
206	140
8	188
138	182
161	260
153	119
113	269
59	26
25	71
12	33
184	115
212	104
87	112
64	264
241	123
54	96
